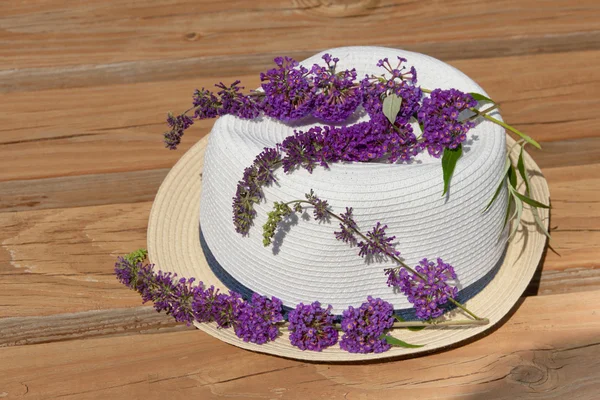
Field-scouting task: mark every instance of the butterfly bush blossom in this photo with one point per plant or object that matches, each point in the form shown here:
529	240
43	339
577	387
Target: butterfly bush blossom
427	295
364	327
312	327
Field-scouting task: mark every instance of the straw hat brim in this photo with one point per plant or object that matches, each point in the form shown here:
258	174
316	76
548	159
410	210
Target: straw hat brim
174	245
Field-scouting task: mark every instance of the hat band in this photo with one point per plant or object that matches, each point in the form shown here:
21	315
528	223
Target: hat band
406	313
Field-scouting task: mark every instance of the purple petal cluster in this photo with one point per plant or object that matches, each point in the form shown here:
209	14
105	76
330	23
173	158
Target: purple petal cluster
365	326
320	207
178	125
429	294
256	320
126	272
288	91
400	82
377	243
206	105
226	308
439	116
347	228
233	102
249	190
203	304
338	96
181	307
312	327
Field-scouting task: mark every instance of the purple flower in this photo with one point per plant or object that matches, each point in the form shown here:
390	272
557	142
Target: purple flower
302	149
233	102
427	296
365	326
249	190
256	322
439	116
161	290
183	297
378	243
203	304
347	228
289	94
127	272
226	308
206	104
338	95
401	83
312	327
178	125
321	207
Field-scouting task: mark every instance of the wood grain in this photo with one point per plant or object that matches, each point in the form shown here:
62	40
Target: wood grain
75	137
85	88
54	45
533	355
139	186
72	264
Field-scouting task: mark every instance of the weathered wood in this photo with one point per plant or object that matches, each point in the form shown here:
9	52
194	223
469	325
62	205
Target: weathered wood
138	186
41	256
547	349
81	190
85	89
55	328
78	134
138	42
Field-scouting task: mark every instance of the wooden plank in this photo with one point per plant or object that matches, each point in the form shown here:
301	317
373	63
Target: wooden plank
17	331
135	42
81	190
138	186
124	123
67	254
547	349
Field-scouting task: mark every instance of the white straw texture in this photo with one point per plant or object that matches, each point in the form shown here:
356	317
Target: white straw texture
307	263
174	245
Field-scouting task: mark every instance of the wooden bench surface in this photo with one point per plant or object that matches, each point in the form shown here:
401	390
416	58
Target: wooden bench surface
84	88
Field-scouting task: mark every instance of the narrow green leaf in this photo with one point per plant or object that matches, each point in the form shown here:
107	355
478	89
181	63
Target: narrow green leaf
512	177
449	160
480	97
529	201
500	184
527	138
539	223
400	343
522	171
517	221
508	207
410	328
391	106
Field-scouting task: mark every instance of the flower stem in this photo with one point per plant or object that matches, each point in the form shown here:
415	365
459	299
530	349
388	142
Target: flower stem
393	257
419	324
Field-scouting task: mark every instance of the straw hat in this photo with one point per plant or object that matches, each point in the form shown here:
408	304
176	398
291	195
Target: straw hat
200	242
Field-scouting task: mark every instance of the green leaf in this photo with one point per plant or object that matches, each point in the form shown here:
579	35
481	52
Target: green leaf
519	212
508	207
539	223
410	328
529	201
391	106
449	160
400	343
512	177
500	184
480	97
527	138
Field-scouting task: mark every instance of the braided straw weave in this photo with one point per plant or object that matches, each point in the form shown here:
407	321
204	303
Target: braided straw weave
310	265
